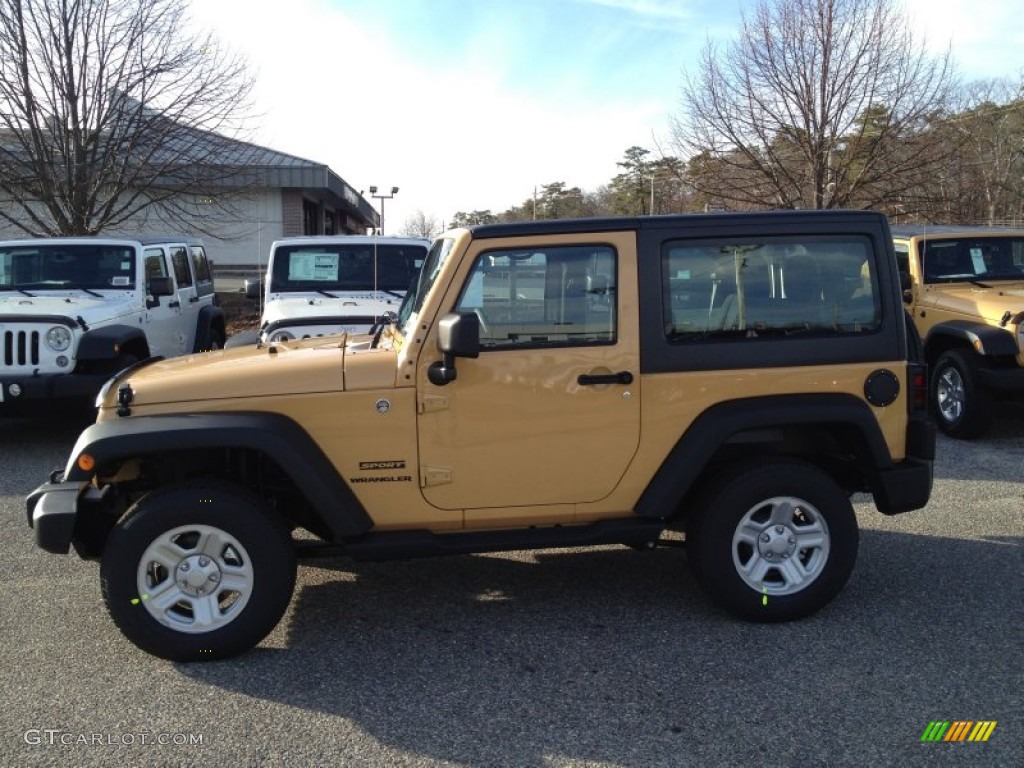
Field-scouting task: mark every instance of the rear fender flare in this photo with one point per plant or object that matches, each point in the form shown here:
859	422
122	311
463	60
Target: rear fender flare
716	426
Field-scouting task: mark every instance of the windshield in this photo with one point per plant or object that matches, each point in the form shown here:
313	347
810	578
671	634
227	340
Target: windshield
417	294
59	267
974	259
345	267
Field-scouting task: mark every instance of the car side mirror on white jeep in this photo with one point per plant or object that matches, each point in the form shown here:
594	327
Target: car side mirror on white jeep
458	335
157	287
252	287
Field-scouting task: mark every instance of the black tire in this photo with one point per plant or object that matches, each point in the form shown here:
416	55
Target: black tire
210	338
960	402
749	502
244	547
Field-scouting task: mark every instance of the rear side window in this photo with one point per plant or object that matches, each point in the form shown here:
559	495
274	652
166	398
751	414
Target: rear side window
555	296
201	264
182	273
769	288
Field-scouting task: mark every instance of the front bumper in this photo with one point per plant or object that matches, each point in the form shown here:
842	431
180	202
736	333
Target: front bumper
1003	380
52	509
48	387
62	514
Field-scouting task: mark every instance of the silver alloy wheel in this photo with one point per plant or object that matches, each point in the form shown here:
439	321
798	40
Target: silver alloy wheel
780	546
195	578
949	394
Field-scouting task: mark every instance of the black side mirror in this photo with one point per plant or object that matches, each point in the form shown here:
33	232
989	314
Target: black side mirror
253	288
458	335
157	287
161	286
905	286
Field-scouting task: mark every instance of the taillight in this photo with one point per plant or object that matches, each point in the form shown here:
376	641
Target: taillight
917	384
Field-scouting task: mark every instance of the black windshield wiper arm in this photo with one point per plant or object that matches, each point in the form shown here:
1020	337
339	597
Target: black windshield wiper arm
19	290
328	294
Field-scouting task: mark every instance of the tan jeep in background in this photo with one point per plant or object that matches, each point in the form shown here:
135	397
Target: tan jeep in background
966	296
732	378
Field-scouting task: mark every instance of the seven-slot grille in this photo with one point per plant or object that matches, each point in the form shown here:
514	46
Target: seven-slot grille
21	348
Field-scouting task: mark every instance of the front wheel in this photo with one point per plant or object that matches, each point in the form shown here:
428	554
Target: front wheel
197	572
959	400
773	541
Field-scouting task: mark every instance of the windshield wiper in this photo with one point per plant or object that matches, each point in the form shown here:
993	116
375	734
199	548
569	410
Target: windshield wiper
328	294
19	290
396	294
91	292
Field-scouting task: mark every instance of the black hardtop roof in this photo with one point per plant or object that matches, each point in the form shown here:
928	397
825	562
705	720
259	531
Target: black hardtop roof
943	230
85	239
158	239
673	221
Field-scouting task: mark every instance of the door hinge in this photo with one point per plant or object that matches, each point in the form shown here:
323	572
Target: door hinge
435	476
433	403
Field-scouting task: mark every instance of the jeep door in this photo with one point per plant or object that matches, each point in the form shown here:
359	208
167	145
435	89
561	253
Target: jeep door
188	298
549	413
163	317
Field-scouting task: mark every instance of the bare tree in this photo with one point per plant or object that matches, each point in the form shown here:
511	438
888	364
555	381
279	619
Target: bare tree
421	225
817	104
112	112
987	176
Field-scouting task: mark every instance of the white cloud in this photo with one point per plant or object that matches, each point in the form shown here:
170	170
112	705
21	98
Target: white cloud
473	126
451	138
986	38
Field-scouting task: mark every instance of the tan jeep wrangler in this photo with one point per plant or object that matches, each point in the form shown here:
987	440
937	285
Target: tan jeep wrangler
966	296
730	377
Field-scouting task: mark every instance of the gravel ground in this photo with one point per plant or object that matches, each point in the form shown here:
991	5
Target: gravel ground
558	658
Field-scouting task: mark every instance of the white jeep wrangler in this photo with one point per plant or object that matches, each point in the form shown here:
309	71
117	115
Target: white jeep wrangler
326	284
74	311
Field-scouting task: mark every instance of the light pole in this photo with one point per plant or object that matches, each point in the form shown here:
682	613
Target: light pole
382	198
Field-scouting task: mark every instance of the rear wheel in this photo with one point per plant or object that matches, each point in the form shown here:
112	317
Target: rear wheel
959	401
773	541
197	572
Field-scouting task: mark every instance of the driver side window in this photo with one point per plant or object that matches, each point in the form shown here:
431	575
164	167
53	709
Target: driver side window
156	265
543	297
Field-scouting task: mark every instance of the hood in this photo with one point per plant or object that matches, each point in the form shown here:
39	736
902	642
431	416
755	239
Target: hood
289	306
973	301
206	381
73	304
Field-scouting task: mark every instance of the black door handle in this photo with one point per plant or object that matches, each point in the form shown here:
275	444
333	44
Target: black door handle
174	304
589	379
193	299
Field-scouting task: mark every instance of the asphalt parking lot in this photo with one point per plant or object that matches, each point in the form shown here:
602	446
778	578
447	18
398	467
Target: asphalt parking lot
603	657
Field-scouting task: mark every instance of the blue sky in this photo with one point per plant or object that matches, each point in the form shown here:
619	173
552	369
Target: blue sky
468	104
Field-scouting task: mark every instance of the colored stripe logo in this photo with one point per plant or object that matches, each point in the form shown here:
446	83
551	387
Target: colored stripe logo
958	730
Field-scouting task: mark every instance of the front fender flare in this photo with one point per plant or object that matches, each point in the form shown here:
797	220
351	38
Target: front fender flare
277	436
985	339
107	342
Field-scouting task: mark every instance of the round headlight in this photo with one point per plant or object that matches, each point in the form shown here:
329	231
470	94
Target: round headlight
58	338
282	336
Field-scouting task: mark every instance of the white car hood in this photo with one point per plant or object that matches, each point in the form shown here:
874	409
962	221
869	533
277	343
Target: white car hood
74	304
359	303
